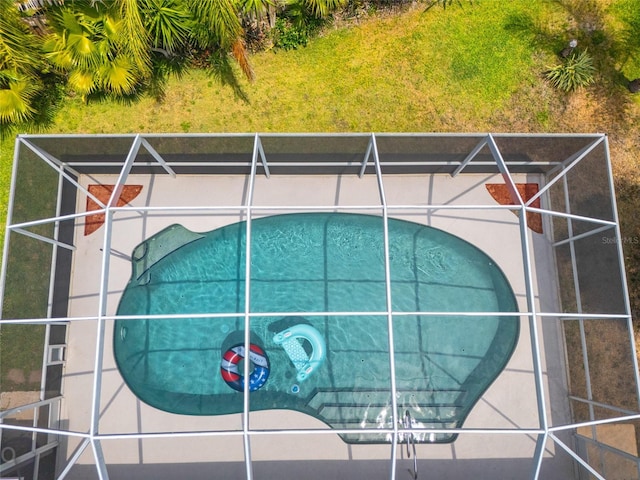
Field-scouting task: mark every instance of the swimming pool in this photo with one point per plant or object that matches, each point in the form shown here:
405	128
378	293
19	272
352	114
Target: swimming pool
316	262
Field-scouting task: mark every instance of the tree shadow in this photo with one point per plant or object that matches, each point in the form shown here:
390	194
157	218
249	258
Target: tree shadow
221	68
539	33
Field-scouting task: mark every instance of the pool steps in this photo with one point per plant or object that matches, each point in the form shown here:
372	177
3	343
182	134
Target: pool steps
437	410
157	247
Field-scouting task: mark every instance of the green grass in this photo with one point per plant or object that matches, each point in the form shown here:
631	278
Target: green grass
347	80
618	12
21	350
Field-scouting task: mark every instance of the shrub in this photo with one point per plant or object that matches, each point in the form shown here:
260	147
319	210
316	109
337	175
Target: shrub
575	72
291	33
289	36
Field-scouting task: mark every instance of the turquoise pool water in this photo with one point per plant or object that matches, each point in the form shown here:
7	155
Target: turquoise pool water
310	263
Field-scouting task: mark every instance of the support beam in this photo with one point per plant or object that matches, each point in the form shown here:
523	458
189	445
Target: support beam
365	160
604	228
74	458
63	165
27	233
610	449
576	457
603	405
246	434
101	465
94	427
506	175
570	161
471	156
566	166
158	157
389	304
533	327
12	411
7	236
62	218
124	173
594	423
263	157
538	455
571	216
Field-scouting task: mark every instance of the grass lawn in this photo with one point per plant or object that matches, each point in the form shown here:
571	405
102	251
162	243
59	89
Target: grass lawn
477	68
347	80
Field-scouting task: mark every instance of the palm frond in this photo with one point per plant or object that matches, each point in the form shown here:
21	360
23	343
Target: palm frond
15	101
322	8
118	76
83	50
217	23
575	72
82	81
112	27
239	52
168	24
256	8
19	49
217	27
73	40
46	102
26	5
69	21
135	39
55	52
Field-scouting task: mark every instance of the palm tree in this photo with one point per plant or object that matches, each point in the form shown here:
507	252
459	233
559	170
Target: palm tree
16	94
85	42
20	64
168	23
18	48
135	37
255	9
322	8
217	28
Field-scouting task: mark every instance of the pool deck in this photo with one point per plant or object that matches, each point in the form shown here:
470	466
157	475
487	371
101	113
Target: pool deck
509	403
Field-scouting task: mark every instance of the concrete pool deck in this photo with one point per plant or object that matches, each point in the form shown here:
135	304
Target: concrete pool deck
509	403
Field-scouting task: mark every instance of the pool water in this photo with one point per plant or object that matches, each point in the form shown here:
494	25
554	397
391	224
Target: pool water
315	262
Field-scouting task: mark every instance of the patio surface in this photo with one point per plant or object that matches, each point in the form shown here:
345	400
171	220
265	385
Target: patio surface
510	401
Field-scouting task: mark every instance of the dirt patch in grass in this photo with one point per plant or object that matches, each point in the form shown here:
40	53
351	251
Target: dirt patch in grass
10	400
